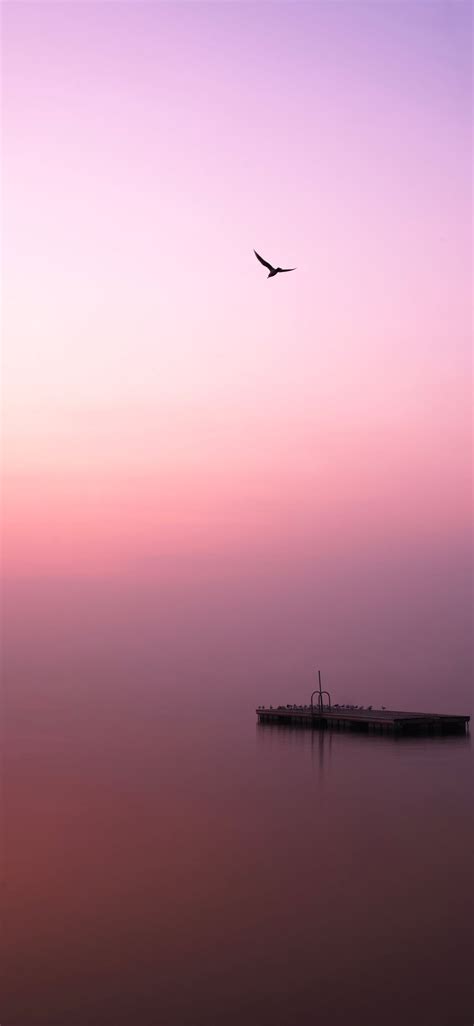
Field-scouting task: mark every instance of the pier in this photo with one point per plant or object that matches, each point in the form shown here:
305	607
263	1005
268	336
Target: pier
325	713
350	718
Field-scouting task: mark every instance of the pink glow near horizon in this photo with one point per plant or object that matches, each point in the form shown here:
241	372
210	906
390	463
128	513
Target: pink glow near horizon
161	396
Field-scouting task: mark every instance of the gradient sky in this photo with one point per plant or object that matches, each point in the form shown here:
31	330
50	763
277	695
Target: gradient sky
304	441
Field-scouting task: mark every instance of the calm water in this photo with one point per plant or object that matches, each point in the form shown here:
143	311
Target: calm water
197	868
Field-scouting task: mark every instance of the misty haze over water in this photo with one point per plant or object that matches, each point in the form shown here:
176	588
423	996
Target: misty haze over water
170	861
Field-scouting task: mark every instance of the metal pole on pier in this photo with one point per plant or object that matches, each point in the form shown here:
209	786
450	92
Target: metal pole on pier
320	694
320	697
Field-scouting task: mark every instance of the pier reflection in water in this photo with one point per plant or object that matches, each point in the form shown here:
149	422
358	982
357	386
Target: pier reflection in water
319	742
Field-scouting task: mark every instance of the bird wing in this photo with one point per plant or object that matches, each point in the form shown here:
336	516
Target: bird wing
264	262
284	269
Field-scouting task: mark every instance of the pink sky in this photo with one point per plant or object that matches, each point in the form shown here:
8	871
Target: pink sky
162	398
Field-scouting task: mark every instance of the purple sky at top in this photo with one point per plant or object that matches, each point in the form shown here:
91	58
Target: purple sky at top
162	398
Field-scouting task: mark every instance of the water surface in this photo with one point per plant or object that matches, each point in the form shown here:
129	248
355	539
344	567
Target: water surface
186	866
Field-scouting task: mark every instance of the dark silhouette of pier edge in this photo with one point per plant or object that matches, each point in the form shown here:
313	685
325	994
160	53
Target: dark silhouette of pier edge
355	717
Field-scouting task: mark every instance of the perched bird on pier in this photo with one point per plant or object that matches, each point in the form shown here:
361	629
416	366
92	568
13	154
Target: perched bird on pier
273	270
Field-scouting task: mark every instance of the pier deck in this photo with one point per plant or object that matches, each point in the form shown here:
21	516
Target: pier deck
365	719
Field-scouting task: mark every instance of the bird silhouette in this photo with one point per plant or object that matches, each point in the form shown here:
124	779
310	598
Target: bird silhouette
272	270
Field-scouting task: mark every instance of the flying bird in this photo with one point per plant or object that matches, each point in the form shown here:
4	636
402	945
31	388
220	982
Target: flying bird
272	270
